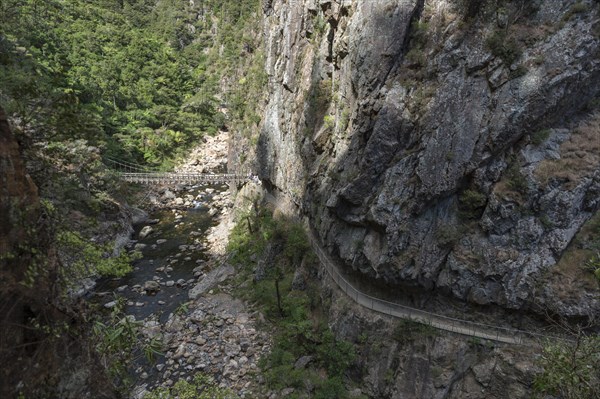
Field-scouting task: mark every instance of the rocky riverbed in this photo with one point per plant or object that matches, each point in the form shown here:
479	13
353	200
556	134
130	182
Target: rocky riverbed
180	290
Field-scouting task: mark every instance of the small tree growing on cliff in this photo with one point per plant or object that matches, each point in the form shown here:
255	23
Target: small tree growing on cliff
571	369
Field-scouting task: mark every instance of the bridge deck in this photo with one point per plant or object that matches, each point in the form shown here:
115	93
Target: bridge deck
177	177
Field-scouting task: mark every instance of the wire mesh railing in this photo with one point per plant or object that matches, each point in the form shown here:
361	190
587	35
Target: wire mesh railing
134	173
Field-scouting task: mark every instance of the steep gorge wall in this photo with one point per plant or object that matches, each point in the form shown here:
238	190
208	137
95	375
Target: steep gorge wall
437	150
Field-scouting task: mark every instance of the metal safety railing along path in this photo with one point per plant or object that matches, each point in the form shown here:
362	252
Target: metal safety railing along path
441	322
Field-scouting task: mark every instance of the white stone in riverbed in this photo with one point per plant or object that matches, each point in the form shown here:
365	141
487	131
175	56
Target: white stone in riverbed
139	304
160	367
161	241
161	302
145	232
110	304
170	283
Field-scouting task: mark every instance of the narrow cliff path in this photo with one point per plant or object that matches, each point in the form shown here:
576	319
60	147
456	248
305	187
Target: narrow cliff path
463	327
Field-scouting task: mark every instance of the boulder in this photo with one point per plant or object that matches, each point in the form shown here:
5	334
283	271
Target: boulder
145	232
151	287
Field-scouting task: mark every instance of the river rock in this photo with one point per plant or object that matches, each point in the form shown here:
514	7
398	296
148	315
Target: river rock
170	283
145	232
168	195
139	246
138	216
151	287
160	241
211	279
110	304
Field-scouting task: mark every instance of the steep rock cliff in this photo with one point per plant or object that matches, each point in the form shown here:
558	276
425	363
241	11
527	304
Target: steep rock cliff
447	145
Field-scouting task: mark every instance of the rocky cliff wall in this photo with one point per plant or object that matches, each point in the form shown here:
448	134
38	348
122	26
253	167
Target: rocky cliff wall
451	145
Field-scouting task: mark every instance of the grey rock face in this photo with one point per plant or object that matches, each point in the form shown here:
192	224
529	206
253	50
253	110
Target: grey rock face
432	172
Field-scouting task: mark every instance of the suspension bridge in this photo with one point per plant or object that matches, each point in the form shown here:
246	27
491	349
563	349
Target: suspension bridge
135	173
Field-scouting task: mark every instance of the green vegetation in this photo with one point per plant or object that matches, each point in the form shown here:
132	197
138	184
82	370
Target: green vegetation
516	181
591	238
409	331
269	251
87	259
503	46
126	76
119	342
201	387
329	122
570	370
576	9
540	136
80	80
471	203
448	235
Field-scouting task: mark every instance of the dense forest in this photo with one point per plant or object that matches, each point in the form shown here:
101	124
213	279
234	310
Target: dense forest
82	81
141	79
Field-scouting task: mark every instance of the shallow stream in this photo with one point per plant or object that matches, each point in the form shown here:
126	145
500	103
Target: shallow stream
170	254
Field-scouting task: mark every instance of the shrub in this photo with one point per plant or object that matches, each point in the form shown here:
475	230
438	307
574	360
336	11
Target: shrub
503	46
329	122
408	331
540	136
297	330
471	202
577	8
516	180
201	387
448	235
519	71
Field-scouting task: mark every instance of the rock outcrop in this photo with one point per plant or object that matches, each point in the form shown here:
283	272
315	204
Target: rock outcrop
441	144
